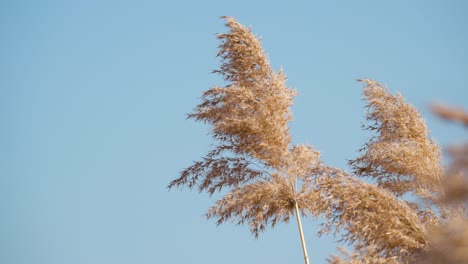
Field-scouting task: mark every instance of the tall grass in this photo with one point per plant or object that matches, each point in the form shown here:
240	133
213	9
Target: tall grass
269	180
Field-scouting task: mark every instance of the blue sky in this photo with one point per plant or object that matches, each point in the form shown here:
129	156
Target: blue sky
93	102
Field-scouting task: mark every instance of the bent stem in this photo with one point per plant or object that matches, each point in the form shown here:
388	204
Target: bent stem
299	225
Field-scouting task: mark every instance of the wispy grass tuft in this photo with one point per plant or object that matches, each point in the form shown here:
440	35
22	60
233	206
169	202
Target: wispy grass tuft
267	179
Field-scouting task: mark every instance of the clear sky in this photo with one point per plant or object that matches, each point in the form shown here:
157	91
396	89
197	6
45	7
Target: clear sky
93	102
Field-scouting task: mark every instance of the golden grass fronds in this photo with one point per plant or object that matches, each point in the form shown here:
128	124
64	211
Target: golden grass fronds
265	202
244	61
249	117
267	180
260	204
251	113
216	172
366	215
456	179
450	113
448	244
402	157
368	255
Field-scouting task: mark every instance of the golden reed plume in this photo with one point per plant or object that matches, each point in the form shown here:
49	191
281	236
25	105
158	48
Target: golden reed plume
395	219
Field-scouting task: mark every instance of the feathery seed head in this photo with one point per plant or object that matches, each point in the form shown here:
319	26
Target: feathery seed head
267	179
401	157
251	113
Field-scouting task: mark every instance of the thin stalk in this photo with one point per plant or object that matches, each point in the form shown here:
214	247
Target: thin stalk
299	225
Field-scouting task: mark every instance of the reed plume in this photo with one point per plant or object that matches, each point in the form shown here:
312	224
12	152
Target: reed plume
396	217
449	241
253	157
394	156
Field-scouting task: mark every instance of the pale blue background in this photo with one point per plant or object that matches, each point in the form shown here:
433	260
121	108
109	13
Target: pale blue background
93	102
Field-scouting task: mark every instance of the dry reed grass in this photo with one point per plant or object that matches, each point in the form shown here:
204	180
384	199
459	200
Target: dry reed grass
449	240
266	178
249	120
393	157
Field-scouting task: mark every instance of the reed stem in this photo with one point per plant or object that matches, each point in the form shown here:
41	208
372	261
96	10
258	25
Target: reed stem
299	225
